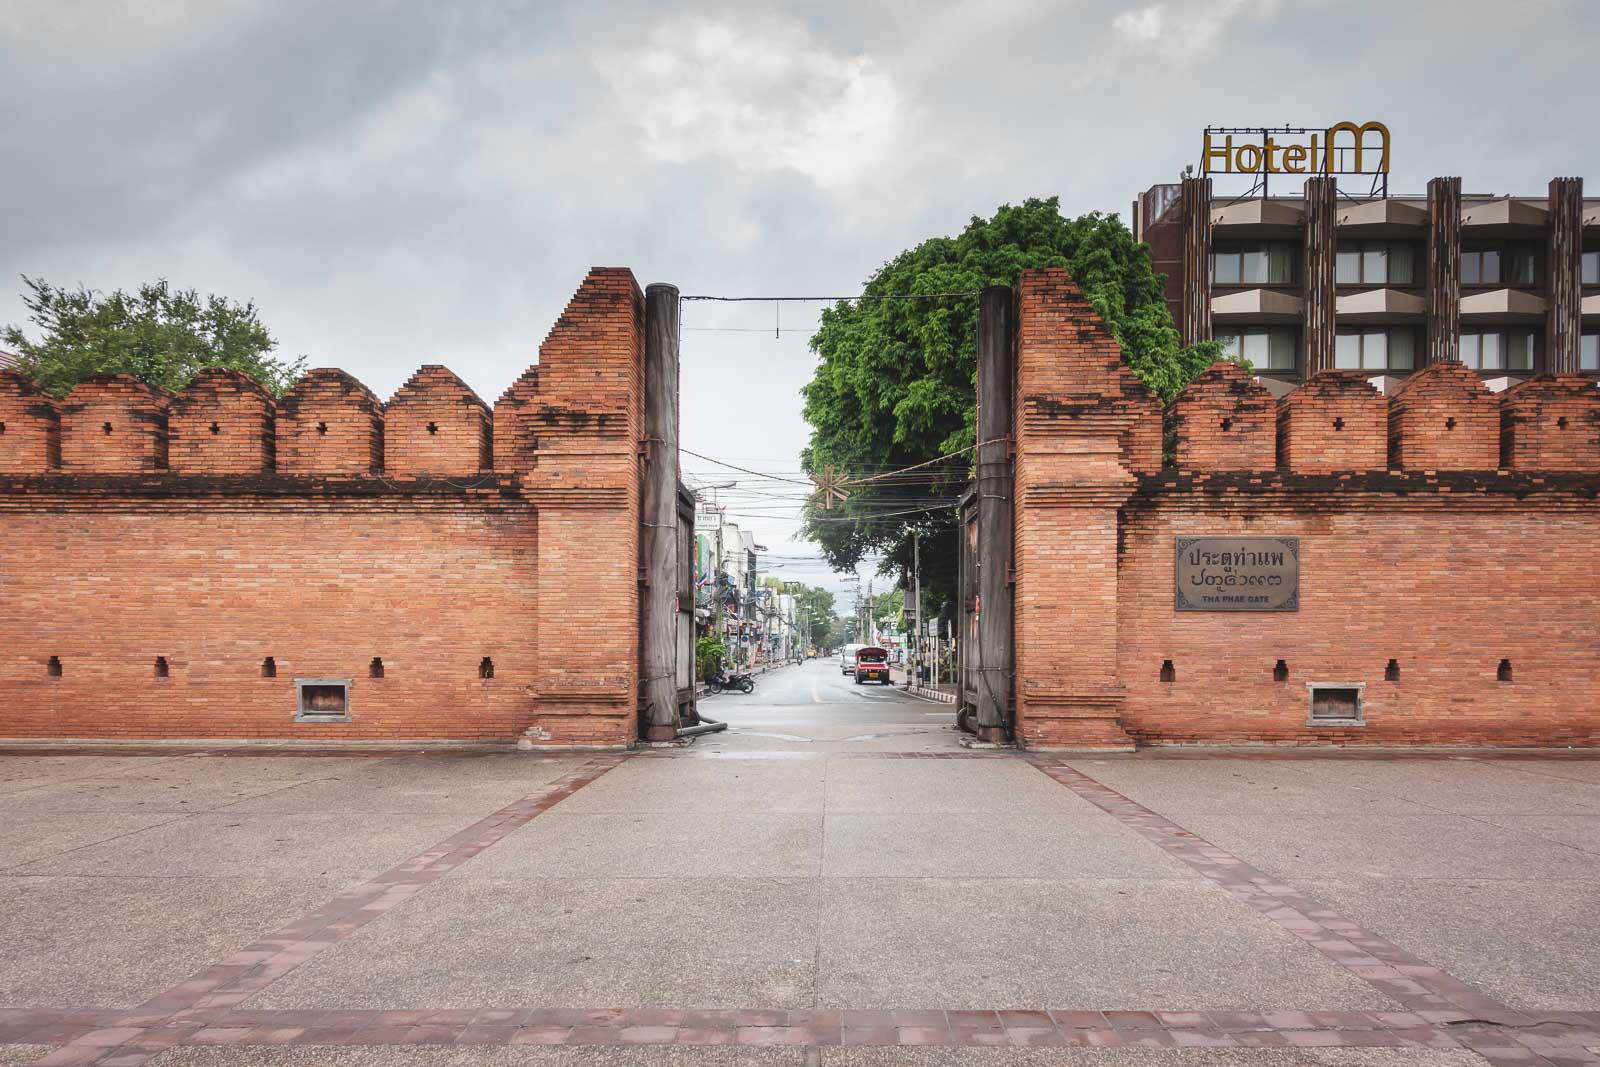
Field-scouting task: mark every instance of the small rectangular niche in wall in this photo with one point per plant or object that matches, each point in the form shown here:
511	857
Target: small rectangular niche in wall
486	668
161	667
375	668
53	668
269	668
322	699
1335	703
1167	673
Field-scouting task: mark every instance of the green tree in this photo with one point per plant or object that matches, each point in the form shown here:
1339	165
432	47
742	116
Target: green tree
708	657
161	335
896	381
816	604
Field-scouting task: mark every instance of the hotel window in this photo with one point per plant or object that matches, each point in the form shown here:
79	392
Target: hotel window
1500	265
1375	263
1589	353
1376	349
1266	347
1253	263
1591	268
1512	349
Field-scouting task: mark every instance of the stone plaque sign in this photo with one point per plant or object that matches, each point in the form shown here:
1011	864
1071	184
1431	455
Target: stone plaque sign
1237	574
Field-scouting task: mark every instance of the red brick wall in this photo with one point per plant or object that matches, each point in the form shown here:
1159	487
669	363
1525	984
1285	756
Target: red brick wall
1551	423
1443	418
1446	588
329	423
114	424
31	439
1447	567
435	424
1225	421
322	565
222	423
321	584
1336	421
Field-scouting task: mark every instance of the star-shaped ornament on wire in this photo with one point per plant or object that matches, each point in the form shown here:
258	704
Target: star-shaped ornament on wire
830	482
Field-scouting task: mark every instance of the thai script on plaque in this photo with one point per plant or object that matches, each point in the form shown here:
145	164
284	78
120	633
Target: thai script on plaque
1237	574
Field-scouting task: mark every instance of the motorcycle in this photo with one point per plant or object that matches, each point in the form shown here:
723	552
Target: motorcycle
732	680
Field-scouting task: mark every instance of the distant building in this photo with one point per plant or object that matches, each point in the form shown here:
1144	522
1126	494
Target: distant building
1308	273
8	359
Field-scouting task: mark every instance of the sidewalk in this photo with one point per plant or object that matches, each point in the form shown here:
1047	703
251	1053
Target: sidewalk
943	692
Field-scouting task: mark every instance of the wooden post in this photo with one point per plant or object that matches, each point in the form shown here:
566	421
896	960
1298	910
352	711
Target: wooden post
1444	271
1564	335
658	689
1195	205
1317	287
996	331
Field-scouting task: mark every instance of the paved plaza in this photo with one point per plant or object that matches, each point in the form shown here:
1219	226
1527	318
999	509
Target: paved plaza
834	880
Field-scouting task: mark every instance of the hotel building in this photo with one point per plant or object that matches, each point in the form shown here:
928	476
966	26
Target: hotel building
1317	278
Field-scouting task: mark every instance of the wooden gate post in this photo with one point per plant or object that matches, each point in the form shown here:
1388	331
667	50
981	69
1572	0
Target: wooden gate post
996	341
658	689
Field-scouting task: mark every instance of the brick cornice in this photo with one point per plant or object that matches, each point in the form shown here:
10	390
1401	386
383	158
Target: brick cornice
1405	490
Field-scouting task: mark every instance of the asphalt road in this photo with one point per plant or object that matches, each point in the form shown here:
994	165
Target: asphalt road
817	707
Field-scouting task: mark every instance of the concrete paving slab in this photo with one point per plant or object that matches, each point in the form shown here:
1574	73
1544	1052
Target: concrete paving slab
188	784
467	787
1176	788
1470	786
1533	945
561	844
17	771
574	943
967	786
481	1056
1581	832
38	835
1092	944
1586	770
694	786
343	847
114	942
1401	846
978	846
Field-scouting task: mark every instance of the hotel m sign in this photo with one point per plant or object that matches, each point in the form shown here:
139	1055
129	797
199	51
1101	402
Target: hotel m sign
1343	148
1237	574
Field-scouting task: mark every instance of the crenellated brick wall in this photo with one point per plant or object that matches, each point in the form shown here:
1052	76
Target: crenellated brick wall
1551	423
1224	420
222	423
329	536
1442	417
114	424
436	424
1456	591
30	426
329	423
1336	421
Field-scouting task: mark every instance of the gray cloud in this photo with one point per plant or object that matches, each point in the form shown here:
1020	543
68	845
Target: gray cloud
397	183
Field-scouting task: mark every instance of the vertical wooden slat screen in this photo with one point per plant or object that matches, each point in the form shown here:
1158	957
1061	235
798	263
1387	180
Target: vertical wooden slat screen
1444	271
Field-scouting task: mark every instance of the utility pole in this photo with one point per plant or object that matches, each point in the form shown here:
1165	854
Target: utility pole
916	595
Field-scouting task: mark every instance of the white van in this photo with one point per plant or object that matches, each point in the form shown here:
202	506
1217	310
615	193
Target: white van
847	658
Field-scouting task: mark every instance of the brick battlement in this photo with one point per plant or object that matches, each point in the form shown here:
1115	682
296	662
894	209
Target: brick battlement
174	564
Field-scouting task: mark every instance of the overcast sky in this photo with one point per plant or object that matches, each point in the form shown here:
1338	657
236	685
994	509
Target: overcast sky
401	183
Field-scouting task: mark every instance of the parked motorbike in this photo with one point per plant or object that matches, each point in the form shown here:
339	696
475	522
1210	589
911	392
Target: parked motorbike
732	680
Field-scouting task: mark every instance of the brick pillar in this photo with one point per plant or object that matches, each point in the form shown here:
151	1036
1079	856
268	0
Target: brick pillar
1564	334
1317	286
1196	270
1444	271
1084	426
581	420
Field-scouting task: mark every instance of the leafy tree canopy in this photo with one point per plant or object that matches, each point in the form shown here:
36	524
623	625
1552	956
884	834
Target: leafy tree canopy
161	335
897	378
